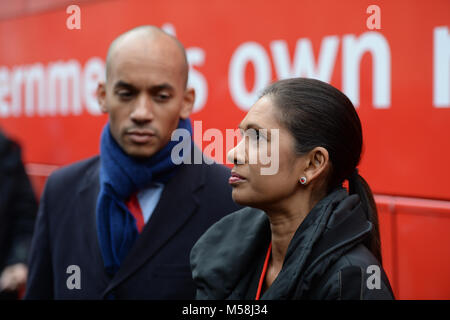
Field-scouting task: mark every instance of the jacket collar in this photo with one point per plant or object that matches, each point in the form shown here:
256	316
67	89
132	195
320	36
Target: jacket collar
336	223
90	180
87	194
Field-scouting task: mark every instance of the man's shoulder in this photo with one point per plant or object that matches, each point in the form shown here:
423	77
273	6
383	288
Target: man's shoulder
215	179
75	171
217	169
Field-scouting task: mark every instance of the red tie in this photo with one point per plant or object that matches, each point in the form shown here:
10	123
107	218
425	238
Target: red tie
133	205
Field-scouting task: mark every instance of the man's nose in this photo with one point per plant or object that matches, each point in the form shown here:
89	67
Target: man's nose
143	109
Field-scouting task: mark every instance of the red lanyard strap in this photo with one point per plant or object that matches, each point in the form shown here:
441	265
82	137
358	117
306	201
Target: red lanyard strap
263	273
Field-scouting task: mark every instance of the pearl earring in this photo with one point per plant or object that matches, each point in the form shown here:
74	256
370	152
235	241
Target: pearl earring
303	180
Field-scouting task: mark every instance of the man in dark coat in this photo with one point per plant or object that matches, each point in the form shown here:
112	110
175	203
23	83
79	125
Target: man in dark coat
121	226
18	207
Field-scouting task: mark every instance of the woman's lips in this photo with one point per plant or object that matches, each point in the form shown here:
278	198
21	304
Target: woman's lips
235	178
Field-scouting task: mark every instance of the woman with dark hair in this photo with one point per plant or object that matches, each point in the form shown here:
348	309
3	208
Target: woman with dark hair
302	235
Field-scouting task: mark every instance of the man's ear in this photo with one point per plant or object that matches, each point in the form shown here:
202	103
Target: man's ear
316	163
101	96
188	103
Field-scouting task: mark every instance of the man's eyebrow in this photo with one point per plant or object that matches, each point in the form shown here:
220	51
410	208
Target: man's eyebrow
123	84
154	88
162	86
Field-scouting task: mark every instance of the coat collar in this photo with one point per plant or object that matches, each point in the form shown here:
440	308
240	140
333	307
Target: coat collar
87	194
334	225
90	180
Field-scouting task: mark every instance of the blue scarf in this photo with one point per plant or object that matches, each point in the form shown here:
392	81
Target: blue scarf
120	177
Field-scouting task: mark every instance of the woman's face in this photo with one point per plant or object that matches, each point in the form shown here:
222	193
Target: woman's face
250	186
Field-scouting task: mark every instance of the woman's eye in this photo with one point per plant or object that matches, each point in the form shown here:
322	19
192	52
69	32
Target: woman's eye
252	134
255	134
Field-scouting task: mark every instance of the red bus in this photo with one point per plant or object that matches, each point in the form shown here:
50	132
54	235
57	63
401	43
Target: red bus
392	59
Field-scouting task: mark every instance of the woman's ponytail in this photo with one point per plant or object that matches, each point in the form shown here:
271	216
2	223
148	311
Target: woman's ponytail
357	185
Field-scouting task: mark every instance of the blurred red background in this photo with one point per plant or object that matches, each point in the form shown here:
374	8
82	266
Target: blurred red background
397	75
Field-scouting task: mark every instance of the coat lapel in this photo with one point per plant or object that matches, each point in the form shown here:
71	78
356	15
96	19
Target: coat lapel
177	204
87	198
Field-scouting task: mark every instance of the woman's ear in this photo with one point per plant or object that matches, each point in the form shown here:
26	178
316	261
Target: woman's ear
317	161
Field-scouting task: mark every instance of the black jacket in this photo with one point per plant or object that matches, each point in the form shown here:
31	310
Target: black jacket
325	259
157	267
18	205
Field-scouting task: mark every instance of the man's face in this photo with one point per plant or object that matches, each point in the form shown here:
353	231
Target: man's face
145	94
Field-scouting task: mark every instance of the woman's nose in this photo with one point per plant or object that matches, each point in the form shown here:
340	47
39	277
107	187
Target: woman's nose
237	154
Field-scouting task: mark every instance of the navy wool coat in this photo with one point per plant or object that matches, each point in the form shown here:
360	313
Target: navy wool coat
157	267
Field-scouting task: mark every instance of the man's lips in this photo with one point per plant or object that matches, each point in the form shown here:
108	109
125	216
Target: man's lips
140	136
235	178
